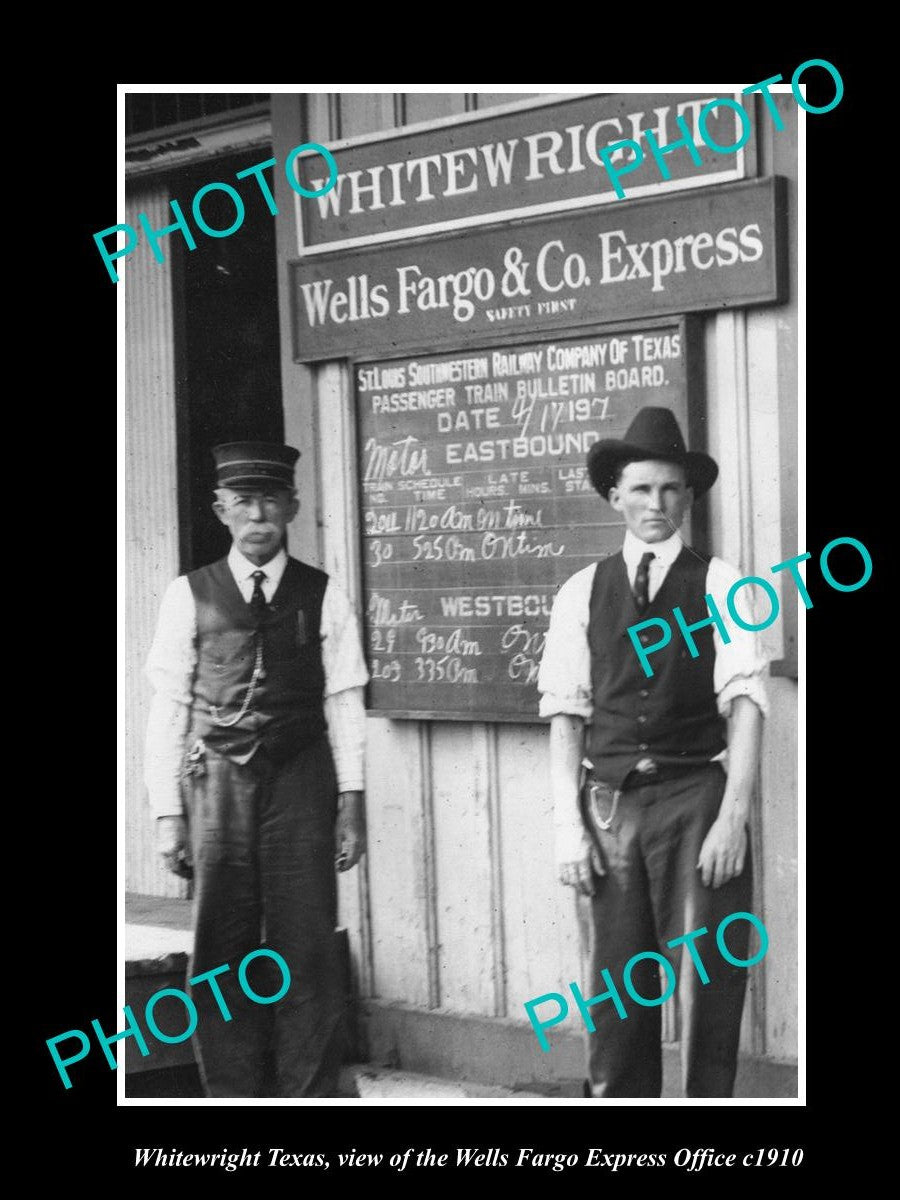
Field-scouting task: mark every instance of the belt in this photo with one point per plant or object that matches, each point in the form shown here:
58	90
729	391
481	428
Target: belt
646	772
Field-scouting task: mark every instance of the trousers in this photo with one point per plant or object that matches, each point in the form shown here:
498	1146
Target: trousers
262	839
652	893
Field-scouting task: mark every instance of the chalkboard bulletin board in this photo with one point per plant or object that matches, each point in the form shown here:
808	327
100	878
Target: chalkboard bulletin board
476	504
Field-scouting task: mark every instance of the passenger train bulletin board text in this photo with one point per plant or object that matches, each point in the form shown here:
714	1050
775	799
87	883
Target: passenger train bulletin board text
476	504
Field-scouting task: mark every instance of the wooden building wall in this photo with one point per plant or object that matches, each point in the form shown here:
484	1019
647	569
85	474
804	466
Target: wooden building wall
456	911
150	518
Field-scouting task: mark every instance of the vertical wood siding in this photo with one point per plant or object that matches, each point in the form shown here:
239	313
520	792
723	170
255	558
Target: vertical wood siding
460	895
150	516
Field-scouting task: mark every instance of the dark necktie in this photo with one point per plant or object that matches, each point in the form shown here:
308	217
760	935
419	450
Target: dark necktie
258	603
642	580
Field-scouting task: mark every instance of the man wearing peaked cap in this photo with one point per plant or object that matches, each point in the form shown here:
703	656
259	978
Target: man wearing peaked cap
245	464
254	768
652	777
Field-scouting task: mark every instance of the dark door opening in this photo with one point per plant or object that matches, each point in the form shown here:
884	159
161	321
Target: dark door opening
228	383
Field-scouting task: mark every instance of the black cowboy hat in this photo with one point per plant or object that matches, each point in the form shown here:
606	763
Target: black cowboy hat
654	433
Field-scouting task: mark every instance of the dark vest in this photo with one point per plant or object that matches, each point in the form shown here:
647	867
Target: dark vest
285	712
671	717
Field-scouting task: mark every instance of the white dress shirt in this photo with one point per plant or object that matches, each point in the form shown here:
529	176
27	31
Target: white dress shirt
173	658
564	678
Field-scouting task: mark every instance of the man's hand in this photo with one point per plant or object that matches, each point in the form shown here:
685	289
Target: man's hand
172	846
724	848
577	864
350	833
580	874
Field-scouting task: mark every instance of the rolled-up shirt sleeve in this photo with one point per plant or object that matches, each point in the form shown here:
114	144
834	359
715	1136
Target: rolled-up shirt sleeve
346	675
170	668
740	666
564	677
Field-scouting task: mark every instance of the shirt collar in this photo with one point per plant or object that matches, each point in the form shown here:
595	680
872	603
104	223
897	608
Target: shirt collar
633	549
242	568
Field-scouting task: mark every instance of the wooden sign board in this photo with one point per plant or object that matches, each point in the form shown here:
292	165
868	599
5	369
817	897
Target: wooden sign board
495	166
694	251
476	505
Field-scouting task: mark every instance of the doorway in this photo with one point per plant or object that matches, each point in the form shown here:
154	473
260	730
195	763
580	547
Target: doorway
228	381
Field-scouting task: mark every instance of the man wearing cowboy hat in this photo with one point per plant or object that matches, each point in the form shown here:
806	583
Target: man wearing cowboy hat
254	768
650	830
